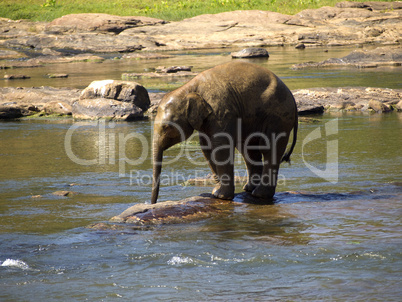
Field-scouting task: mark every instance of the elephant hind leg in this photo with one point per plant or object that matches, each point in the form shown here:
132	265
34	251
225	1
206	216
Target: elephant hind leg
266	188
253	160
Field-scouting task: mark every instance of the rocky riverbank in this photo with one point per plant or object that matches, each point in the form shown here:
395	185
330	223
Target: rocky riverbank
362	58
127	101
97	37
83	36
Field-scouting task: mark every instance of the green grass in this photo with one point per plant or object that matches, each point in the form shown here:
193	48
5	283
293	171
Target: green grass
47	10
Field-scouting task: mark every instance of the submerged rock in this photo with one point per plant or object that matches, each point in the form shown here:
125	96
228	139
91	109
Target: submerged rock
64	193
162	72
57	75
186	210
205	206
16	77
172	69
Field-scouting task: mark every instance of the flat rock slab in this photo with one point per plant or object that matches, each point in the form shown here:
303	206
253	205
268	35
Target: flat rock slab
348	99
367	58
186	210
197	208
252	28
16	77
189	209
95	109
24	102
50	59
346	24
90	22
57	75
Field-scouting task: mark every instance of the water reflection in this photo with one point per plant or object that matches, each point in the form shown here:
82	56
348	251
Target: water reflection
267	224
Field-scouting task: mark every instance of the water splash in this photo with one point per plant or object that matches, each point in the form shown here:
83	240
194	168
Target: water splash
15	263
176	260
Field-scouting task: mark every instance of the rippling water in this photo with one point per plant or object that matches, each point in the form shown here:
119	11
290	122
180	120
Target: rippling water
324	239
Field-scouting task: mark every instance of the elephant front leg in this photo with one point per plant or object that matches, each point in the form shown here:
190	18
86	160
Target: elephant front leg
225	186
206	149
223	159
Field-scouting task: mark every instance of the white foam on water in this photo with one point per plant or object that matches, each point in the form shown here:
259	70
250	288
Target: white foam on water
15	263
180	260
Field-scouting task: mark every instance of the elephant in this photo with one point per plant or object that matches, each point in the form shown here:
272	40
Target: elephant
236	105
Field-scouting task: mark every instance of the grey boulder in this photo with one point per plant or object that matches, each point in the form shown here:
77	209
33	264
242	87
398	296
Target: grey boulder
115	100
250	53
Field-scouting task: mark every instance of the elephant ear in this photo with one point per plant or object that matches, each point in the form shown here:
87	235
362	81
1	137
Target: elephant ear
197	110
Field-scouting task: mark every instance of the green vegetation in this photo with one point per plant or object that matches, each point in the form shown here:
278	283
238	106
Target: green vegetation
47	10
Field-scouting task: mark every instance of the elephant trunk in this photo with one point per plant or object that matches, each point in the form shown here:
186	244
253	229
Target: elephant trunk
157	168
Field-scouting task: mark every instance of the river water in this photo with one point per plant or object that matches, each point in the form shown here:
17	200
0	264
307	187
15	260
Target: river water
334	232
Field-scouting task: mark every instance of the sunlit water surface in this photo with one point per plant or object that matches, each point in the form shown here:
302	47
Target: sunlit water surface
335	236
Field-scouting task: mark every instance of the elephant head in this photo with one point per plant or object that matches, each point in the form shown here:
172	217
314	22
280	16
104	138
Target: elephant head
179	113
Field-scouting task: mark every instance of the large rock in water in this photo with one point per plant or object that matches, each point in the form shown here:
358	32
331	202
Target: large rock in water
188	209
250	53
116	100
100	108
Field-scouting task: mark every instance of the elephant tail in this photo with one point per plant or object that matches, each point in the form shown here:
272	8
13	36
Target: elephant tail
286	157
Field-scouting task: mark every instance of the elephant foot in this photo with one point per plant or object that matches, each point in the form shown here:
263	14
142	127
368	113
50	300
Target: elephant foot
264	192
223	192
249	187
